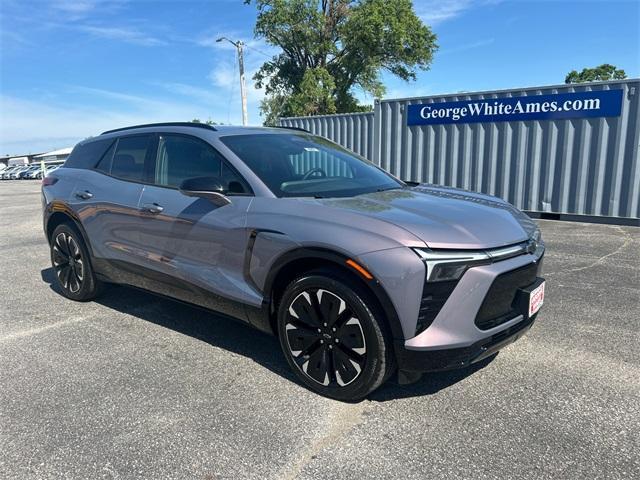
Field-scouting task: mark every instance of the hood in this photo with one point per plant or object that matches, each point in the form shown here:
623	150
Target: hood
444	217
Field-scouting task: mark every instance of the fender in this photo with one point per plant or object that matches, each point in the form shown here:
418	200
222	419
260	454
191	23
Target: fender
330	256
59	207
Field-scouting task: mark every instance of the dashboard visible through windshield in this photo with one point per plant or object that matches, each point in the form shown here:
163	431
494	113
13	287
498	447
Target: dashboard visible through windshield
302	165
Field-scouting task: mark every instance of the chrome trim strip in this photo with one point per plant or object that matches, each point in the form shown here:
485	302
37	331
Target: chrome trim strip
471	258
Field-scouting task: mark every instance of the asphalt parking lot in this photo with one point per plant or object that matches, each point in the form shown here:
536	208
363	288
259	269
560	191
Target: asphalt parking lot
134	386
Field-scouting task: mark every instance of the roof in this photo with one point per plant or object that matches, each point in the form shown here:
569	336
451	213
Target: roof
62	151
176	126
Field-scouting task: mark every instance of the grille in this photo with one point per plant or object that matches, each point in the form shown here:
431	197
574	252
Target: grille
434	296
498	305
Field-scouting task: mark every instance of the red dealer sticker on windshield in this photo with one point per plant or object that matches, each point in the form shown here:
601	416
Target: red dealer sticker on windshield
536	299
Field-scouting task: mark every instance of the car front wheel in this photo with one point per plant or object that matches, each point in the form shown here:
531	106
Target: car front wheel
333	336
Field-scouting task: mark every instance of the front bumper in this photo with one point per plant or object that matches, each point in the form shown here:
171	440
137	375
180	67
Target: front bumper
452	358
458	336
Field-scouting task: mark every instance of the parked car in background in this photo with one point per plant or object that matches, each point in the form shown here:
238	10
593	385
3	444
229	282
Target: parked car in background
48	170
13	175
4	174
16	175
34	174
357	273
26	174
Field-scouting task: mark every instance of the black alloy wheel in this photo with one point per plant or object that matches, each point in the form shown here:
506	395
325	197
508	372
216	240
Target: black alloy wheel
67	262
332	338
325	338
71	264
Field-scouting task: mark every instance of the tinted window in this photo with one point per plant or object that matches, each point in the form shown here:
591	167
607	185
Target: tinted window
104	165
298	165
181	157
128	159
87	154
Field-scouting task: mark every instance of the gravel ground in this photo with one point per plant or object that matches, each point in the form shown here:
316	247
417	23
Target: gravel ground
134	386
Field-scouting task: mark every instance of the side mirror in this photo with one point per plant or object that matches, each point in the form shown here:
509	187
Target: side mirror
205	187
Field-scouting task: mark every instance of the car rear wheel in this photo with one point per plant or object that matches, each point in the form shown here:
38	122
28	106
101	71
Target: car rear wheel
72	265
333	336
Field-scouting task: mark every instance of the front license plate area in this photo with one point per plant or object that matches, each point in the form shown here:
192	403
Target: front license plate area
529	300
536	299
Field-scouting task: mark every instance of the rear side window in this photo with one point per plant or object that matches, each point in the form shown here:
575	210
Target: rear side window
128	159
88	154
104	165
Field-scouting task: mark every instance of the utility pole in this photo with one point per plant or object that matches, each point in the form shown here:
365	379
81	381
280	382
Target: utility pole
243	91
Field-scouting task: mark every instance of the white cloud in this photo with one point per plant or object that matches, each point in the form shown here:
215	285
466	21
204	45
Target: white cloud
227	77
467	46
76	9
128	35
433	12
202	95
31	126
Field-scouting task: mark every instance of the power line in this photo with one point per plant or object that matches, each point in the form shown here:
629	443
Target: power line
259	51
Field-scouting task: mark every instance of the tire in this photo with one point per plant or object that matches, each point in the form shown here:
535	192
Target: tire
333	336
71	264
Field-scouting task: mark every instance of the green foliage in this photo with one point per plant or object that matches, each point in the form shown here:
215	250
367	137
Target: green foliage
315	93
596	74
332	47
208	122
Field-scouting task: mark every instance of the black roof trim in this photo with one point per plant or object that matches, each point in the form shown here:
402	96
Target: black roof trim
167	124
291	128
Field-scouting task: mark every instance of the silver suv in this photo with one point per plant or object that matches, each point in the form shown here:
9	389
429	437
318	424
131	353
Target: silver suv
358	273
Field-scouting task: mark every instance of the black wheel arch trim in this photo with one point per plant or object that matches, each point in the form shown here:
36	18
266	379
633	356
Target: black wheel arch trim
57	207
338	259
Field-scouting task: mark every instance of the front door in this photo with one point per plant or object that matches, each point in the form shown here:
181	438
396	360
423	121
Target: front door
195	245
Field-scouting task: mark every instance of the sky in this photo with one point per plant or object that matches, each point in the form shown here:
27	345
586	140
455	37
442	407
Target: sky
70	69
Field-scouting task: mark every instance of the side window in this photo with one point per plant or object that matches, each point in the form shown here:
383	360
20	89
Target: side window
318	164
104	165
232	182
128	159
181	157
87	155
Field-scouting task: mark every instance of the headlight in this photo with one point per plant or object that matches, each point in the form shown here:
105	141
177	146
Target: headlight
443	265
536	236
450	265
535	245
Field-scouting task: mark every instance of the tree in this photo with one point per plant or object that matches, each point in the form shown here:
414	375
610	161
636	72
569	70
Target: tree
596	74
208	122
330	48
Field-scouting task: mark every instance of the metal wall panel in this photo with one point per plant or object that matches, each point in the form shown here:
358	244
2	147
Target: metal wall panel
583	166
351	130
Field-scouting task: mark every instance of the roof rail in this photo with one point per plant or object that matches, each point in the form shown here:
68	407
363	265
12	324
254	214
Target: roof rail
291	128
166	124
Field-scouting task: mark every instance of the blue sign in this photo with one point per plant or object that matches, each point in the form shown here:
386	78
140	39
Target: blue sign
601	103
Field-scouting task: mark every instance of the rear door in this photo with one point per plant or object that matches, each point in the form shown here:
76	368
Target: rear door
198	244
106	200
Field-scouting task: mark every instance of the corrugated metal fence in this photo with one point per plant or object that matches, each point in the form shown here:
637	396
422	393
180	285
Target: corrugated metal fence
580	166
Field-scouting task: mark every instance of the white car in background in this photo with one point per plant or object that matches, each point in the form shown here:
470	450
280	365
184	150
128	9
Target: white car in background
6	173
48	170
14	175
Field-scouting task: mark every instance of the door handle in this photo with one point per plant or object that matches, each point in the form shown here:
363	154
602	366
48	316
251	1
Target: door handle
152	208
86	195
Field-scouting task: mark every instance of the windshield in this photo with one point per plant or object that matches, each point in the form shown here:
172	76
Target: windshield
302	165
